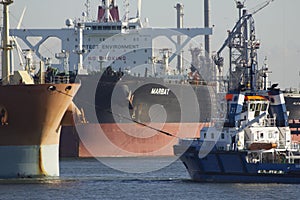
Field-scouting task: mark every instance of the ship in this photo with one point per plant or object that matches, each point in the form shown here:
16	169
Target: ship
253	142
32	111
292	100
118	56
110	46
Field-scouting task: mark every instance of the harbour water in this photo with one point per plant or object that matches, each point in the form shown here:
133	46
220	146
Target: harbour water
90	179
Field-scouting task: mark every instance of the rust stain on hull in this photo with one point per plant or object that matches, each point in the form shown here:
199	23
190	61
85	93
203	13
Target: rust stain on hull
42	170
34	114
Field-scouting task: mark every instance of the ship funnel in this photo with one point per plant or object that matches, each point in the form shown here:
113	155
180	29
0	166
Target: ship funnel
6	43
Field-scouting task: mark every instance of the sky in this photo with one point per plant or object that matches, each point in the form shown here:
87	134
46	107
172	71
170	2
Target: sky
277	25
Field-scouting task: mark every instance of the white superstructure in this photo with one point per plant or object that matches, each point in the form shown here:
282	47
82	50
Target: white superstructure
109	40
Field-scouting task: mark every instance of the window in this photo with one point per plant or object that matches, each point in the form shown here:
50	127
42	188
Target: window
272	100
252	107
264	107
222	136
261	135
270	135
106	27
258	107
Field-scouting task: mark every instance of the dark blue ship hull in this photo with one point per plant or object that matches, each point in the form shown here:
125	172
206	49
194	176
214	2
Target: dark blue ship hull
232	167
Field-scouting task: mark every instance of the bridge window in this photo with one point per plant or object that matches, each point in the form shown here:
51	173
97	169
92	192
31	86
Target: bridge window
252	107
264	107
258	107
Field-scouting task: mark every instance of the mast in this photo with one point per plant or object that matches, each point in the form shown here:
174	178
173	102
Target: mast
5	43
179	8
139	9
80	49
206	25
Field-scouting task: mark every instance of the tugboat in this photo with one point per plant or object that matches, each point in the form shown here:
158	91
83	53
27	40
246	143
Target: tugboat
252	143
31	114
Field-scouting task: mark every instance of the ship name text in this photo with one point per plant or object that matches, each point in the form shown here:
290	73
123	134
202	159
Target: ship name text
160	91
270	172
296	103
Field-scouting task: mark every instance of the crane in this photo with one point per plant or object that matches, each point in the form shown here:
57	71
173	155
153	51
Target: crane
242	44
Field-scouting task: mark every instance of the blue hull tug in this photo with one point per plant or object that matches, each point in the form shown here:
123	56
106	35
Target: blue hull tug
249	141
234	167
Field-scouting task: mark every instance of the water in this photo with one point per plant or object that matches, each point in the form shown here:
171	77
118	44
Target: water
89	179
